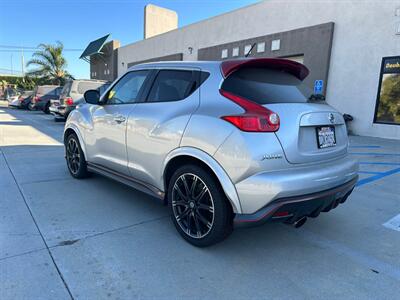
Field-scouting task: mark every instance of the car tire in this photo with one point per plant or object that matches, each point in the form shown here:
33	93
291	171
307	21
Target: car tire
200	210
75	157
30	107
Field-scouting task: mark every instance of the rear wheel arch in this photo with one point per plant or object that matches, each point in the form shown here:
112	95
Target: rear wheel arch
71	130
206	162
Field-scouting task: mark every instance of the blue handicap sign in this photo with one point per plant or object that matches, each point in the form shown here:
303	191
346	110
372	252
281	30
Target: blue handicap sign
318	86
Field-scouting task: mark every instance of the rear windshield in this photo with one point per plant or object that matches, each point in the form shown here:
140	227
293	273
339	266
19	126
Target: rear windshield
87	85
66	89
265	86
47	90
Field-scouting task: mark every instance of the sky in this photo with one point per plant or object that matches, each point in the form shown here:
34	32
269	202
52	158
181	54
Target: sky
27	23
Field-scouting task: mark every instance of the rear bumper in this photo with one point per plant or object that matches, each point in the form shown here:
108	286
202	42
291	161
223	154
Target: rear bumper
64	111
260	189
291	209
54	111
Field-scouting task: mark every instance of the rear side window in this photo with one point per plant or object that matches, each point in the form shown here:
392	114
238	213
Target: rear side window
85	86
172	85
265	86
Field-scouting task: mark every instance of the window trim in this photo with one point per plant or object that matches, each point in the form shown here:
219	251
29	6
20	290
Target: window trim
140	94
378	95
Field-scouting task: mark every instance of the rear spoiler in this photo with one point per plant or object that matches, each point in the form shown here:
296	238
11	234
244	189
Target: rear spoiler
297	69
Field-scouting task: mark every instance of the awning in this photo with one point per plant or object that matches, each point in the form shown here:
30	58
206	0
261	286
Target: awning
94	47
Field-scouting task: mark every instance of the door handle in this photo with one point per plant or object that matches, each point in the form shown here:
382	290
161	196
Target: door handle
119	119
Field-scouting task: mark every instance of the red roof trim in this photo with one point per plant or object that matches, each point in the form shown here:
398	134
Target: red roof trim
292	67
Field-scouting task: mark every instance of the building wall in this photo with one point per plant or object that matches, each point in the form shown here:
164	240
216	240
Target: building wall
158	20
105	66
313	44
172	57
364	33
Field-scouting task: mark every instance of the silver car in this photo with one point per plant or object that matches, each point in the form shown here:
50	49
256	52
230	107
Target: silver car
224	144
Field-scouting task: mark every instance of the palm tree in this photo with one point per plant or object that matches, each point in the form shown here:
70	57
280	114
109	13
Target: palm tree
50	63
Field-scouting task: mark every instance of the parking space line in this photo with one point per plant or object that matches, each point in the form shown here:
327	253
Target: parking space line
378	163
374	153
365	146
393	223
377	177
369	172
366	260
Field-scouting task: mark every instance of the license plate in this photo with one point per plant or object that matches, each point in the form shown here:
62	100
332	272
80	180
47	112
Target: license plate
326	137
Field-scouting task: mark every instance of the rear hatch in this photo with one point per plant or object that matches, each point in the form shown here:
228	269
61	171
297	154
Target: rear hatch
310	130
65	92
45	93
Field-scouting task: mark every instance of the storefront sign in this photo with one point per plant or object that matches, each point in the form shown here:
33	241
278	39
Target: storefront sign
387	110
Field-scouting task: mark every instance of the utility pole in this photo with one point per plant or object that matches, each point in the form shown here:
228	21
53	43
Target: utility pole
22	62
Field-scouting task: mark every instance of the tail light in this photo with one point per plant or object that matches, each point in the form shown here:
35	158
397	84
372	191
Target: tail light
256	118
68	101
36	99
20	99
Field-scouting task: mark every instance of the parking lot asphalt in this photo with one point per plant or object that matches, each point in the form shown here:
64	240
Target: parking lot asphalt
62	238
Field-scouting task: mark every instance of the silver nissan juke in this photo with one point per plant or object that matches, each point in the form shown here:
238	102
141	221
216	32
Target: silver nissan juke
224	144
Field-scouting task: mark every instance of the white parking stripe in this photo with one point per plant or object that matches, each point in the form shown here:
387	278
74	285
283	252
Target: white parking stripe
393	223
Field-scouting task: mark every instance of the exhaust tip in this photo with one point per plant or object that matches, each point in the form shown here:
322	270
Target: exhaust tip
300	222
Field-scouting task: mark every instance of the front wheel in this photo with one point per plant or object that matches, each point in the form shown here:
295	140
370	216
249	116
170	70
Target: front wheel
199	208
75	157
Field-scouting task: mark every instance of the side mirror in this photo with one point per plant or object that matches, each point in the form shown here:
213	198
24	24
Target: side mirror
92	96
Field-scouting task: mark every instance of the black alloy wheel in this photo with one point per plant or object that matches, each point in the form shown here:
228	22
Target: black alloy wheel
193	205
75	157
199	208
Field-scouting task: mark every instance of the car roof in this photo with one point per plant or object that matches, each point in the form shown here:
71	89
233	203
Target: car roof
176	64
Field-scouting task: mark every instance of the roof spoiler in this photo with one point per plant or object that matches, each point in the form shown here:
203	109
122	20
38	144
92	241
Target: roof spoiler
297	69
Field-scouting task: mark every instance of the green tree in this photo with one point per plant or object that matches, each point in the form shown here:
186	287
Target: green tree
50	63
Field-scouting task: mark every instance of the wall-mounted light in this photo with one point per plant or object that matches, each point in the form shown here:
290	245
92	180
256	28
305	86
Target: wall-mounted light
190	49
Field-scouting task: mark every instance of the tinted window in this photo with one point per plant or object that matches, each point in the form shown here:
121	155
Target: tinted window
265	86
58	91
48	90
172	85
66	89
87	85
127	88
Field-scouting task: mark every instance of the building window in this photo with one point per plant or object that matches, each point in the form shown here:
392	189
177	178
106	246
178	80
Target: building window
235	51
247	49
260	47
224	53
387	110
275	45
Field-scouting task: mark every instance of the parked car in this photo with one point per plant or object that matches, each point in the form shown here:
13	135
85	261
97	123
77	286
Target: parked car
72	95
22	101
11	93
232	143
42	96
